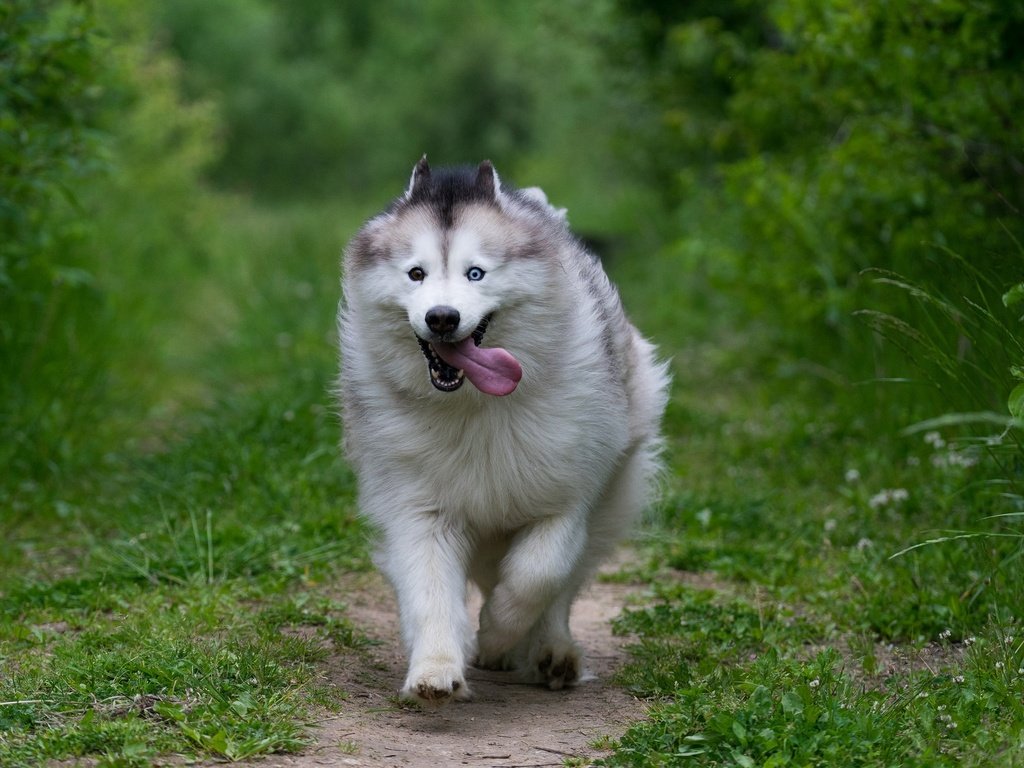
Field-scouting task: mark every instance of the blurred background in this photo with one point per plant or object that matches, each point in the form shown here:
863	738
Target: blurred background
825	196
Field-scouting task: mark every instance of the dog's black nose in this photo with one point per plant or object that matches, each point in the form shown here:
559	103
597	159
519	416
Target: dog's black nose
442	319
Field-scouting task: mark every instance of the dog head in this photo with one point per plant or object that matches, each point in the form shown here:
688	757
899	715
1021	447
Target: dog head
460	255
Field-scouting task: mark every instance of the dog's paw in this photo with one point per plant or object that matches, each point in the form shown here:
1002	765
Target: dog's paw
434	684
559	665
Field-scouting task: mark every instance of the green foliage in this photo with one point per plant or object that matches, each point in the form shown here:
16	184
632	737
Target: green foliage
47	109
100	180
52	305
848	136
848	196
341	99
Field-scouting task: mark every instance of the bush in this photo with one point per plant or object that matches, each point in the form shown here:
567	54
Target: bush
99	165
50	369
325	97
845	136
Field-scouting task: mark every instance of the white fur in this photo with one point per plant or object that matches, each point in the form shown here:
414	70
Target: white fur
524	494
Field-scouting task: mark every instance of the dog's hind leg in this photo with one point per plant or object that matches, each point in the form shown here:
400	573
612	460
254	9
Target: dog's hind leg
554	658
537	569
425	559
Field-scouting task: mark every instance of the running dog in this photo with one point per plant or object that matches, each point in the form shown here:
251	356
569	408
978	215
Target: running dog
524	480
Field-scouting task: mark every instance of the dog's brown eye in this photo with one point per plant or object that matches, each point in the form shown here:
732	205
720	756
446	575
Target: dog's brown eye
417	274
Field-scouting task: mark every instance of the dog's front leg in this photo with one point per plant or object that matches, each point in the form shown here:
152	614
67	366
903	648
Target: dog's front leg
539	565
426	561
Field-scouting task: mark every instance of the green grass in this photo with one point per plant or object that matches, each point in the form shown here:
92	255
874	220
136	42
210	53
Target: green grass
829	637
737	684
164	615
165	594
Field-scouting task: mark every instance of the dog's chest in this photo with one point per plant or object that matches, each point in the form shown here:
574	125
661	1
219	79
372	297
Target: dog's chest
505	466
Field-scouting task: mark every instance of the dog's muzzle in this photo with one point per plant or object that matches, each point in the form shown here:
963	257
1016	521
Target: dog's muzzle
443	376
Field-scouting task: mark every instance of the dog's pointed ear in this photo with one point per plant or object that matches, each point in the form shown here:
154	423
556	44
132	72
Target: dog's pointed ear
487	181
420	178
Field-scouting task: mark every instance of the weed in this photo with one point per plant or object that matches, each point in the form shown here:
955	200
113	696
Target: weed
874	578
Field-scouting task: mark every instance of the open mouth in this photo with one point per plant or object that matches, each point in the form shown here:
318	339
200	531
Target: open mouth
443	376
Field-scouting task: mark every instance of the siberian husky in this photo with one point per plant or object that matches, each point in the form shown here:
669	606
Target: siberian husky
522	481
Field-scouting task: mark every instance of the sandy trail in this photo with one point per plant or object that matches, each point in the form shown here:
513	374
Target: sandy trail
506	724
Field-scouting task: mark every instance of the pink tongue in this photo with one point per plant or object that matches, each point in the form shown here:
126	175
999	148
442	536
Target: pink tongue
491	369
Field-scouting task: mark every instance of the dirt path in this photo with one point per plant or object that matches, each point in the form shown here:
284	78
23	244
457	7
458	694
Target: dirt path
506	724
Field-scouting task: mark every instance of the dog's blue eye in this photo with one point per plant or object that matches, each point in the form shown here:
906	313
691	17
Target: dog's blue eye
417	274
475	273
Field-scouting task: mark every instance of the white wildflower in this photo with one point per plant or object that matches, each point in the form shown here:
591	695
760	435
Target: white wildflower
879	500
814	683
934	439
888	496
962	459
852	475
953	458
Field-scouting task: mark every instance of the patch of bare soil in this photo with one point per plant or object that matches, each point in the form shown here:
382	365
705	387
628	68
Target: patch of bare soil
506	724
